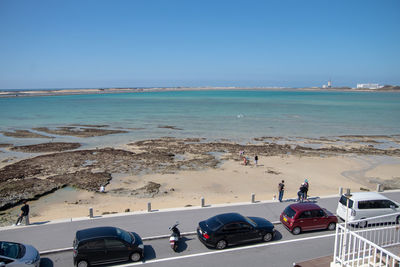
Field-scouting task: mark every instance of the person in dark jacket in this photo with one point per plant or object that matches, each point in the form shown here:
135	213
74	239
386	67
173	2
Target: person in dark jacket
24	213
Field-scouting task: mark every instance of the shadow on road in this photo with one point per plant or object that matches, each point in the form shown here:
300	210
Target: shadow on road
182	246
39	223
278	236
46	262
149	253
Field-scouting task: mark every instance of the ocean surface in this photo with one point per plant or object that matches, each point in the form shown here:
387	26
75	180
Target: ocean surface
215	115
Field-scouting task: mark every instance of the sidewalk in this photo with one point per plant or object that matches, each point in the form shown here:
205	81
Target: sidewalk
317	262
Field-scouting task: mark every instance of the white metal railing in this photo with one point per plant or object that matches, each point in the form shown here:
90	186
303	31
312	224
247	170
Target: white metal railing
368	245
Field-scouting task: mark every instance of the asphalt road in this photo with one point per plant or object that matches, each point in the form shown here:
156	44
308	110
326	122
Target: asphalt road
282	251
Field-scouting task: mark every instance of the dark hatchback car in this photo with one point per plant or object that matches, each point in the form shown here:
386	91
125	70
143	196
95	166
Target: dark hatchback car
233	228
101	245
301	217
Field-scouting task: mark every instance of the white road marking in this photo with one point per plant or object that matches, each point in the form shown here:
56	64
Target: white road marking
225	250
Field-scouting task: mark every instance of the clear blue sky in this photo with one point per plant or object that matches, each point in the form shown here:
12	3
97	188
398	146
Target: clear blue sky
117	43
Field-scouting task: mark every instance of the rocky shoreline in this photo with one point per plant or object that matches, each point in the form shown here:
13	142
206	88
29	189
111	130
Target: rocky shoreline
88	169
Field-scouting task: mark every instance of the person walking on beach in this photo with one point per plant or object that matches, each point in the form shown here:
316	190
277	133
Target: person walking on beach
301	193
24	213
256	159
281	188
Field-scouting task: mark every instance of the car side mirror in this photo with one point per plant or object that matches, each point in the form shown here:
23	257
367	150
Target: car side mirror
392	206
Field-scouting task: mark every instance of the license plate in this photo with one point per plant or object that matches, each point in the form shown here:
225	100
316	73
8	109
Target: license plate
284	218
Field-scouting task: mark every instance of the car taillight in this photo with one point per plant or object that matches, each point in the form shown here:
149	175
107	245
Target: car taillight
206	236
75	252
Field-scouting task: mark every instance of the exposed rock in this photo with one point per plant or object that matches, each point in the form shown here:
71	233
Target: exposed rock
47	147
78	132
24	134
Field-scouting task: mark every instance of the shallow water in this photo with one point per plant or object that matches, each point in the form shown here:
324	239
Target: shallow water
234	115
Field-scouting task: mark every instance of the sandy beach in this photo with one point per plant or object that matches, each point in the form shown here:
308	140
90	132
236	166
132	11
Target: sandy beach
231	182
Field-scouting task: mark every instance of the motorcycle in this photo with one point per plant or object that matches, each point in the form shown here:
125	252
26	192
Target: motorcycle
175	236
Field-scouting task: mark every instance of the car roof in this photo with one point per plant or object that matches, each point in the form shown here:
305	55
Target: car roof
304	206
105	231
366	196
230	217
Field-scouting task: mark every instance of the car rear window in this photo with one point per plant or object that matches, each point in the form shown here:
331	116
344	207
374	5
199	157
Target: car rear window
213	223
343	201
289	212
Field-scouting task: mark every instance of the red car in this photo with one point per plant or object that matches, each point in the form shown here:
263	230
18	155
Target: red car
301	217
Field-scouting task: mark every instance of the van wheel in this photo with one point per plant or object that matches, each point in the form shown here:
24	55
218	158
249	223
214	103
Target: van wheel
332	226
135	256
363	224
296	230
221	244
267	237
398	220
82	264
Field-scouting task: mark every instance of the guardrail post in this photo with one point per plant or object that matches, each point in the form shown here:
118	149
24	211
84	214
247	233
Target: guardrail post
379	188
202	202
90	212
253	198
148	206
347	191
340	191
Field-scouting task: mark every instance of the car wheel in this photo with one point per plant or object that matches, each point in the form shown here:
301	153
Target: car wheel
398	220
267	237
296	230
332	226
363	224
135	256
82	264
221	244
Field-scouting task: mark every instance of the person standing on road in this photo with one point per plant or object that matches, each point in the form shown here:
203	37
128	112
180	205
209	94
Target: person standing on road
256	159
306	185
24	213
281	188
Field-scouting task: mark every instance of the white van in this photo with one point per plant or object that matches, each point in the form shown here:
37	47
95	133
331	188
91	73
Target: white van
364	205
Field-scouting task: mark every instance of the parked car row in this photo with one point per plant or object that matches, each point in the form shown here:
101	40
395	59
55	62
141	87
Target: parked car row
103	245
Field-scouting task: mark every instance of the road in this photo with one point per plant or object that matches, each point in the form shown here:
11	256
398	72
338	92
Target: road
283	251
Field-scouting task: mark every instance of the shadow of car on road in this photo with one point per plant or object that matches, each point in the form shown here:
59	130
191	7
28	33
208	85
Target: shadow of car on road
46	262
149	253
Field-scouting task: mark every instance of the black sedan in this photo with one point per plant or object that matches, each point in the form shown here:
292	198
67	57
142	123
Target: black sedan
233	228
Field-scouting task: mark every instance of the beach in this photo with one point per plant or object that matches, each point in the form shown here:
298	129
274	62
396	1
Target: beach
192	175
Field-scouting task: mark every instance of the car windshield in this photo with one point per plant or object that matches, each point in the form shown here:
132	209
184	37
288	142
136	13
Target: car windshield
250	221
213	223
125	236
11	250
343	201
289	212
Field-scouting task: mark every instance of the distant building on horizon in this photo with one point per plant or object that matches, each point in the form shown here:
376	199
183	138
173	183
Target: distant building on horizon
368	86
327	86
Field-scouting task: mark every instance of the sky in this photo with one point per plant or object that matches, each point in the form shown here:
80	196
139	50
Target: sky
162	43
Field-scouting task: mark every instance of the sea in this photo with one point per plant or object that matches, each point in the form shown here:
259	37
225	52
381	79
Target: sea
236	115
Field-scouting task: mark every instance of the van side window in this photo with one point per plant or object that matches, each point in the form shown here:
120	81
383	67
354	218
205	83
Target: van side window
392	204
365	204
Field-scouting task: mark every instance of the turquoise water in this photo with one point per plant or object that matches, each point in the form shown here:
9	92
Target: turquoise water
237	115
